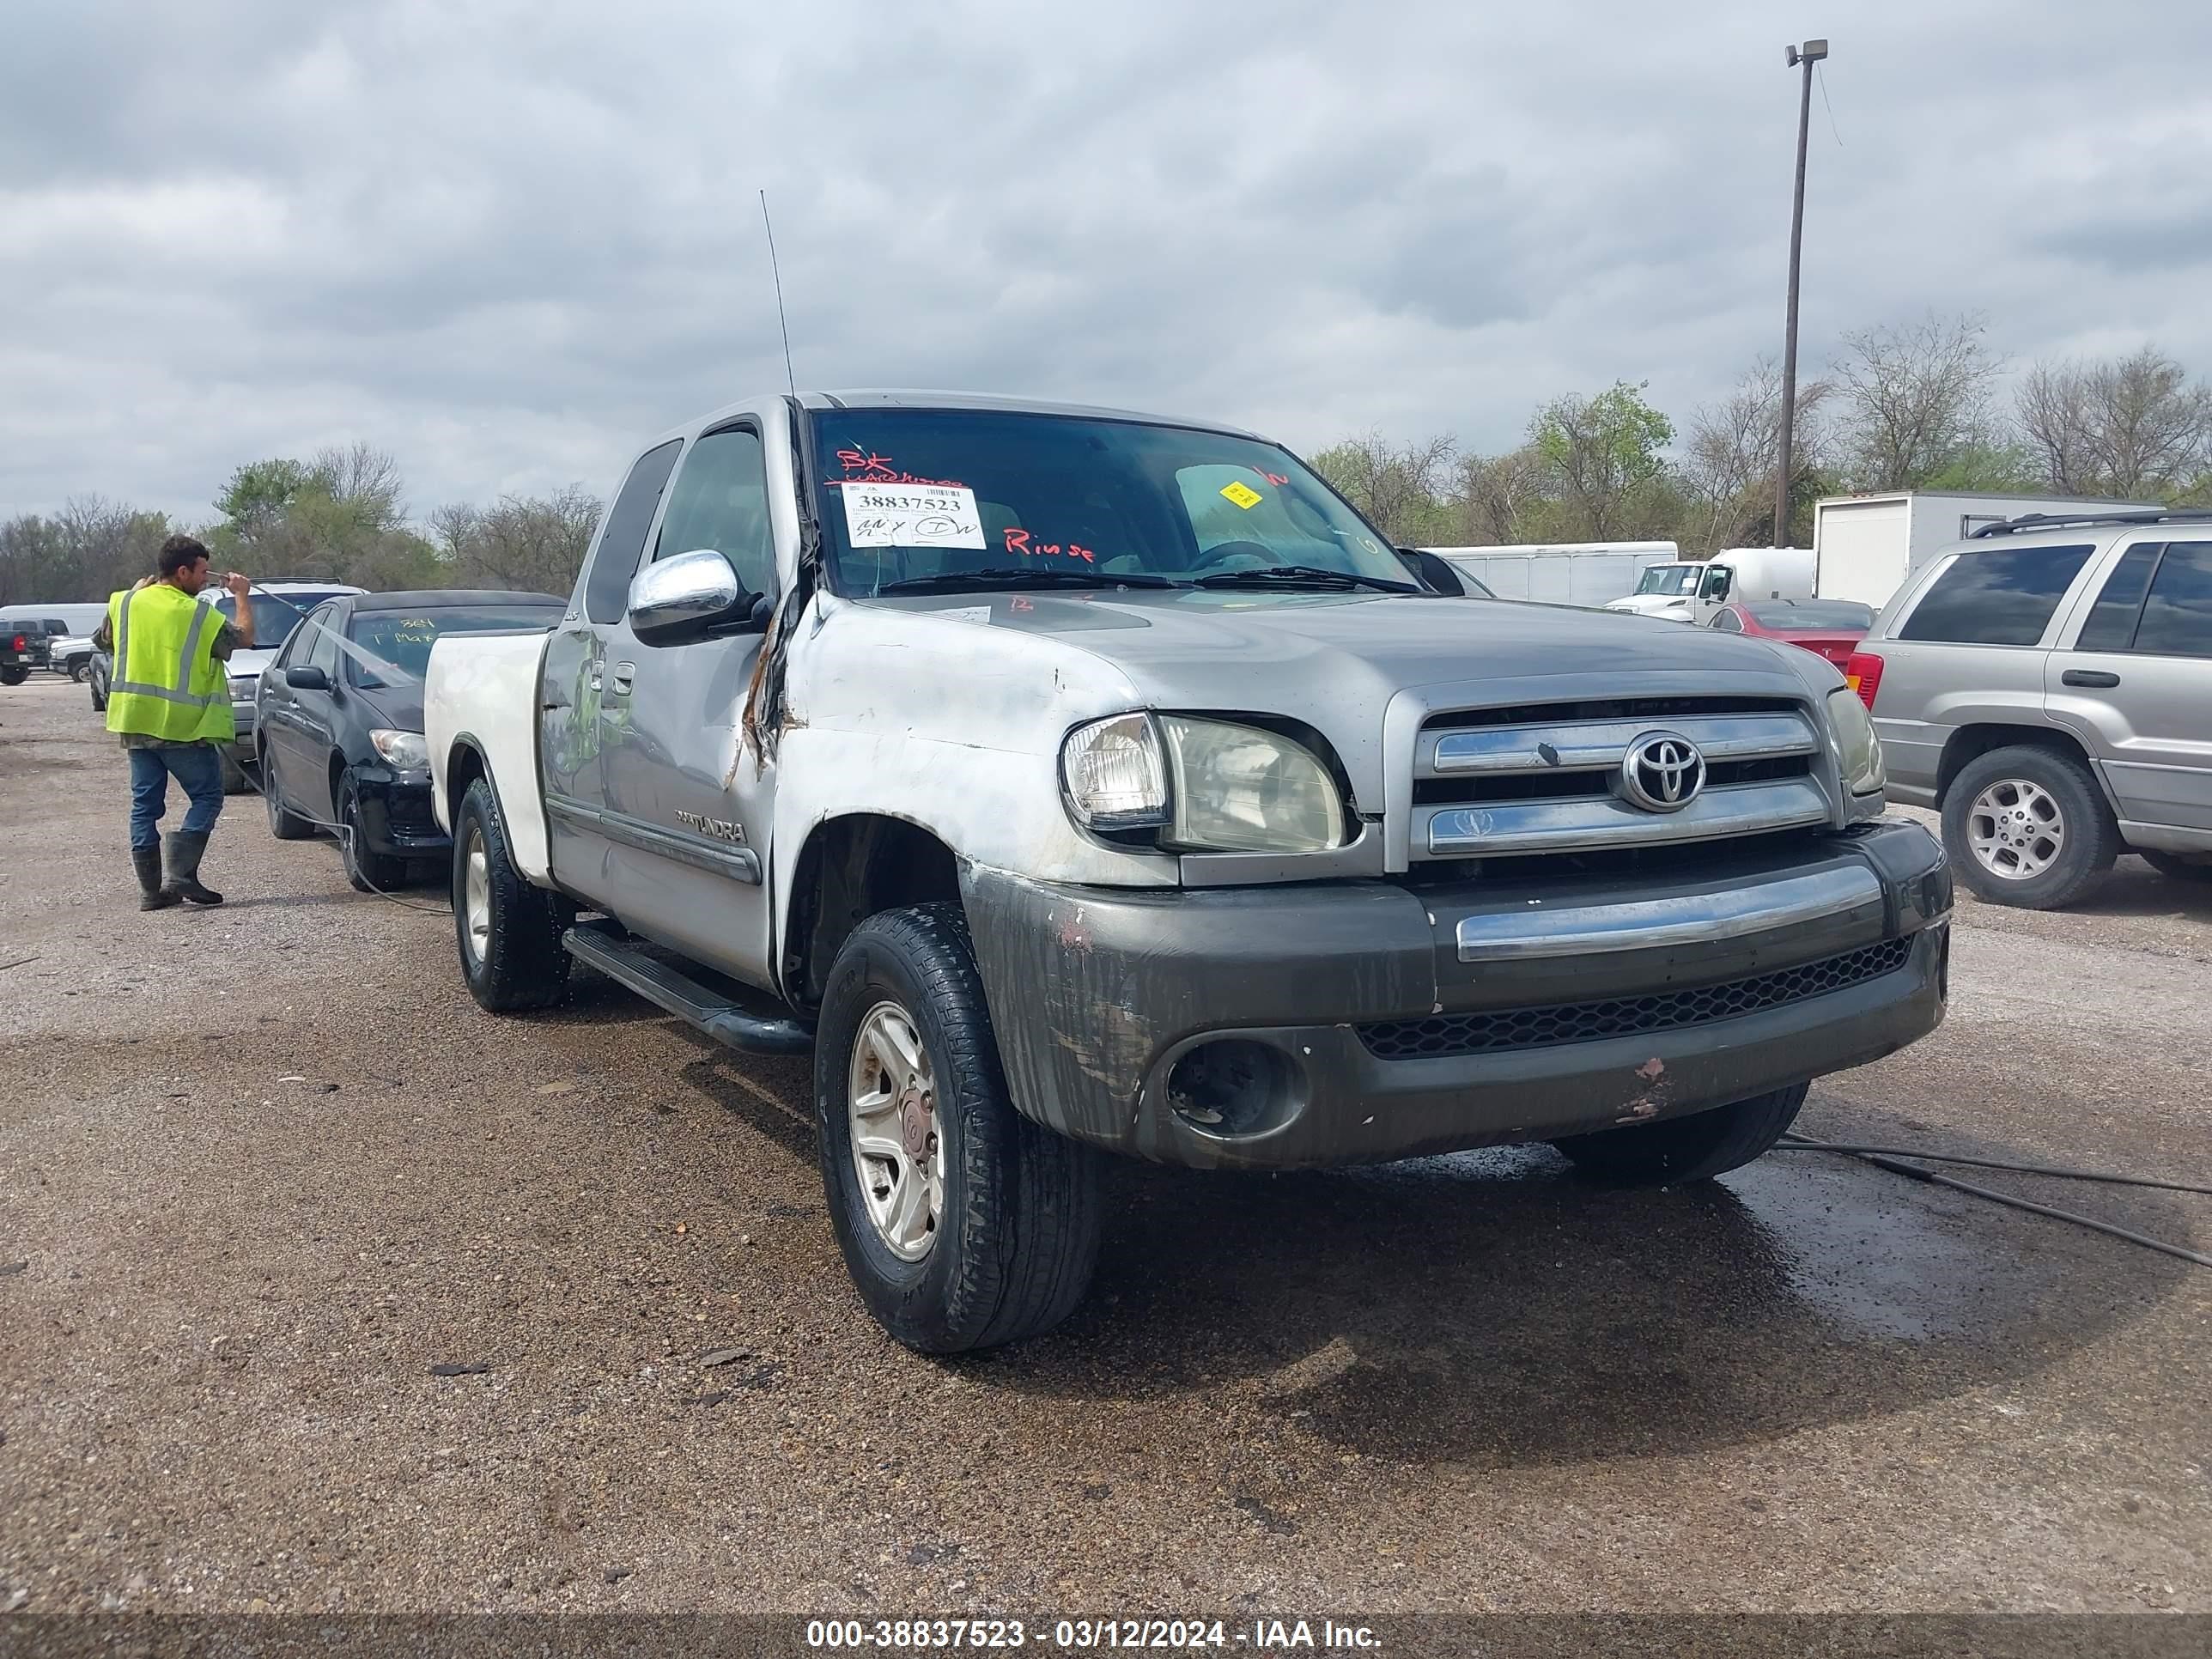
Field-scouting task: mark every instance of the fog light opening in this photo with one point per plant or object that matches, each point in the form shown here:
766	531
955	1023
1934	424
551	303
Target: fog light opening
1233	1087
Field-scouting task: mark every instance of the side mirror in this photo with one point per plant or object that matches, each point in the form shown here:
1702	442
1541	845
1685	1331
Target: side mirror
1432	570
305	677
687	597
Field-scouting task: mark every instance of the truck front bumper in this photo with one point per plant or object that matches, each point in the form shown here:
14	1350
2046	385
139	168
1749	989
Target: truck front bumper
1273	1028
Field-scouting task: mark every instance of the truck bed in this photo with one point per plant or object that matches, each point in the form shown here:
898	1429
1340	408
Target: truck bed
481	691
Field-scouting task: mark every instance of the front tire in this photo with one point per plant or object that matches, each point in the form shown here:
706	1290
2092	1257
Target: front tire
2027	826
370	872
508	932
1679	1150
965	1224
80	671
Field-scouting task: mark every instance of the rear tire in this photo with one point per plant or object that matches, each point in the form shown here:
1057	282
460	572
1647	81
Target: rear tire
282	824
2177	866
1679	1150
2061	796
1015	1221
508	932
14	675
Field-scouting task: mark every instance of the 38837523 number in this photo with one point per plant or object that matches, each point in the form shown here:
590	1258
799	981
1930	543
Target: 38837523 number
907	1634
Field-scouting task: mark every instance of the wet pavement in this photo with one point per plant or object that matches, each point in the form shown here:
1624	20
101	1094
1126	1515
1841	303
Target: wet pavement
265	1167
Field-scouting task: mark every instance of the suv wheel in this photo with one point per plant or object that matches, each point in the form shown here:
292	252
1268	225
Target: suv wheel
508	932
2026	826
2179	865
1678	1150
964	1224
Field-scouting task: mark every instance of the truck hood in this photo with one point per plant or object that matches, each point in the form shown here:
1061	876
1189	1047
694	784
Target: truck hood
1674	607
1331	659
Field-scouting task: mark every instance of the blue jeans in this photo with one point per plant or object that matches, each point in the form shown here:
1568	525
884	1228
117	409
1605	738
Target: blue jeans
197	769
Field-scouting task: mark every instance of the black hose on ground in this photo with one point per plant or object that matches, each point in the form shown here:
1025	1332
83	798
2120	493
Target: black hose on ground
343	832
1885	1158
1800	1143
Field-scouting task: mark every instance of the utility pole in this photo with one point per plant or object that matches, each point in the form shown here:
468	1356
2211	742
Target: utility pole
1809	54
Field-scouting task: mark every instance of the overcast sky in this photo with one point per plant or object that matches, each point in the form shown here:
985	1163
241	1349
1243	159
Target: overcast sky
507	241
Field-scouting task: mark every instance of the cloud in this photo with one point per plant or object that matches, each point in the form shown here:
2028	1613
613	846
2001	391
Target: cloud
510	241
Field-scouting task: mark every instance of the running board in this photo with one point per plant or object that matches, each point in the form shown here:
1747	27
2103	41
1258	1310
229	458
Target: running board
599	945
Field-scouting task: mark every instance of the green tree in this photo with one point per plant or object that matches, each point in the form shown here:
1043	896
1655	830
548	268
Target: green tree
1605	459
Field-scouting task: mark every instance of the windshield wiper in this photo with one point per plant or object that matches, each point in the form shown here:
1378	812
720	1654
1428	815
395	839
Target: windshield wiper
1301	575
960	581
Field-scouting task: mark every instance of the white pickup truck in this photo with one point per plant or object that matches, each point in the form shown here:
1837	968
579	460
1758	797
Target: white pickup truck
1070	779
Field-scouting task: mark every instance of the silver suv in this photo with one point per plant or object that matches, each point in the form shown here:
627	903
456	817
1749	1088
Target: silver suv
2048	686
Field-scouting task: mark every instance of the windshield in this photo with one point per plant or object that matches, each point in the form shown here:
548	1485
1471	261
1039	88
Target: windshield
911	496
1813	613
275	615
404	638
1670	578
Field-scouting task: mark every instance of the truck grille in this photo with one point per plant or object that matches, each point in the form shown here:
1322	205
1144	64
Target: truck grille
1497	1030
1500	782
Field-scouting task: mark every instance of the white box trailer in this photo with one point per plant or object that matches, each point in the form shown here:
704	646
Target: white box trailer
1865	546
1560	573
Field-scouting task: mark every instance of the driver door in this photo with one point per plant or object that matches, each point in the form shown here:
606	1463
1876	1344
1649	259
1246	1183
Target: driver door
297	725
687	802
1714	586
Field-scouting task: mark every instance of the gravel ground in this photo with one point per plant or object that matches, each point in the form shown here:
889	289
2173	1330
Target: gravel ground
263	1170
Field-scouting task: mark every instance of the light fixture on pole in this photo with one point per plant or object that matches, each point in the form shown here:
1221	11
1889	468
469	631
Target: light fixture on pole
1809	54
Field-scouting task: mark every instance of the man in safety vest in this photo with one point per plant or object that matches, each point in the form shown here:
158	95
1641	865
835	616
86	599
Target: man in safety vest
169	698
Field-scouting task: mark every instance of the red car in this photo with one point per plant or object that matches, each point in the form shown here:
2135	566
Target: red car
1833	628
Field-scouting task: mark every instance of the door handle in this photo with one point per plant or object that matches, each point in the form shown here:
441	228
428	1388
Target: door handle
625	674
594	679
2088	677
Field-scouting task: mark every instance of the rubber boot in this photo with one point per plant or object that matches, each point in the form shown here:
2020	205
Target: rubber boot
185	850
146	861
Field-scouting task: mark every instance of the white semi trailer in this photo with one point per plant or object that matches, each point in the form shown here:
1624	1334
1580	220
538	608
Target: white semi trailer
1865	546
1586	573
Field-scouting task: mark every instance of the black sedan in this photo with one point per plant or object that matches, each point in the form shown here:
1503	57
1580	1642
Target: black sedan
339	725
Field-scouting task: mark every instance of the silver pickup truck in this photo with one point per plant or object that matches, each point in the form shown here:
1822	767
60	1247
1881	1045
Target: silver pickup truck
1067	780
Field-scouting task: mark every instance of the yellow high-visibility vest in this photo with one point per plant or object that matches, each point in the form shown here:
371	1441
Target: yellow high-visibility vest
166	682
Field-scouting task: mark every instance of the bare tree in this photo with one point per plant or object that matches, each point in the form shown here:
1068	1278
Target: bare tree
364	481
1494	494
1395	486
1915	397
1731	449
534	543
2131	426
2053	407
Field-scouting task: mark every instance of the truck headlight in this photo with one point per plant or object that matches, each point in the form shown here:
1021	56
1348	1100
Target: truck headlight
1857	749
403	750
1210	786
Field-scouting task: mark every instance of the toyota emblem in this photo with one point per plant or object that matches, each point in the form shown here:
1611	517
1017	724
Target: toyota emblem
1663	772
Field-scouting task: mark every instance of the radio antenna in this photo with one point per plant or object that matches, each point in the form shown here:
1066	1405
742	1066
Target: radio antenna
777	271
